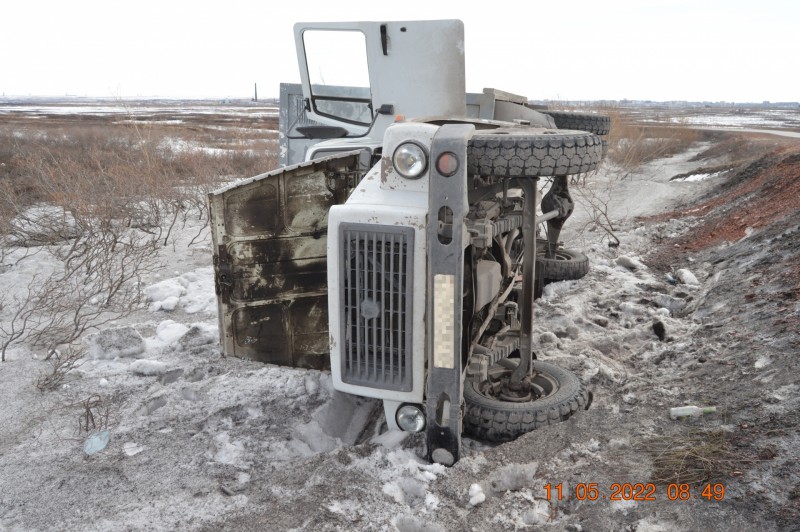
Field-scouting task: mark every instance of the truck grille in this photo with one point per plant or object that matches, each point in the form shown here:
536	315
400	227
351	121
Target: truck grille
376	273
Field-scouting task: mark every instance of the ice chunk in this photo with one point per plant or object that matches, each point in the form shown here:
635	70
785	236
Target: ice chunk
228	452
476	495
538	515
686	277
762	362
311	383
165	289
673	304
169	331
148	368
548	338
167	304
132	448
200	295
630	263
630	308
196	336
554	289
513	477
115	342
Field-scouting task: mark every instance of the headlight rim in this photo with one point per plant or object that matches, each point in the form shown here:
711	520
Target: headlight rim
416	407
425	159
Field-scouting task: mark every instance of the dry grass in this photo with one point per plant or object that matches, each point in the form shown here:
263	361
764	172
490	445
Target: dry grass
102	162
632	144
103	168
101	195
697	456
635	140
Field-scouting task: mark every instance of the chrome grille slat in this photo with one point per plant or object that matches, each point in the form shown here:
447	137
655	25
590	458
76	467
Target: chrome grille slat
376	262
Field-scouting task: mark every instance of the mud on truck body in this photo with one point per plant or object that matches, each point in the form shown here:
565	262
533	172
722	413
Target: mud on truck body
397	245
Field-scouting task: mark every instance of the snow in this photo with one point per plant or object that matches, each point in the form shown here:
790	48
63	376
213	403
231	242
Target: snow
701	176
476	495
131	448
201	441
762	119
169	331
686	277
115	342
630	262
137	109
192	291
227	451
180	145
148	367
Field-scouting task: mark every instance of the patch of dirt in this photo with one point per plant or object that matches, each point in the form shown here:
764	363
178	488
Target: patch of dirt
738	148
743	241
763	193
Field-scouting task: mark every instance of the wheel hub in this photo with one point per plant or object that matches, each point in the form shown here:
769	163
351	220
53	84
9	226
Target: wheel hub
515	396
529	389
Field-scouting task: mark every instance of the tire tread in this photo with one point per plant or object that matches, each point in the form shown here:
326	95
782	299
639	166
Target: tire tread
499	421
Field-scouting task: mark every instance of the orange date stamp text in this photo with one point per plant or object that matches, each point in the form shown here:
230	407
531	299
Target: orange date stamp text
592	491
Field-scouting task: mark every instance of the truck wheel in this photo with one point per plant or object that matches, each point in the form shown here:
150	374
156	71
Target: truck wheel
512	152
597	124
489	417
567	265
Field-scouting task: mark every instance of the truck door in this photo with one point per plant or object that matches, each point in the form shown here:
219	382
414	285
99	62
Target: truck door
359	75
270	235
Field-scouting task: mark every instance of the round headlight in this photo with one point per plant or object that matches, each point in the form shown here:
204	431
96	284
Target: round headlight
410	160
410	418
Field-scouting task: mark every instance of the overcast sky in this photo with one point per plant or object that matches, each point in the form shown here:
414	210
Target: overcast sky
717	50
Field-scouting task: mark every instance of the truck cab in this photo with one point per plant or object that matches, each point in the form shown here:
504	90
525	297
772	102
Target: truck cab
397	245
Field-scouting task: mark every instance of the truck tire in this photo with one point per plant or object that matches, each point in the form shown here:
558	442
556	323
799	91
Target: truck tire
517	153
567	265
491	419
597	124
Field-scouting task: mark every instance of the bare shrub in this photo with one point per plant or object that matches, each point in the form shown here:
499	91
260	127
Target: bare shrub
61	364
98	285
101	281
95	416
595	201
25	316
102	197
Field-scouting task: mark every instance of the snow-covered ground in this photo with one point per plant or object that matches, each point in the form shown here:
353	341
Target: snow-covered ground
761	119
198	441
133	108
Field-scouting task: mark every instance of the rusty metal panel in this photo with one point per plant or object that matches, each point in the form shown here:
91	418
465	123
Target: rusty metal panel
270	262
252	212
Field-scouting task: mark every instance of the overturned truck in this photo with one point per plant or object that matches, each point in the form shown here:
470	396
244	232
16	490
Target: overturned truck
403	240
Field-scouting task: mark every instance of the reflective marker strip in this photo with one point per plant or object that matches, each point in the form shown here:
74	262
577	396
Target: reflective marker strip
443	321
